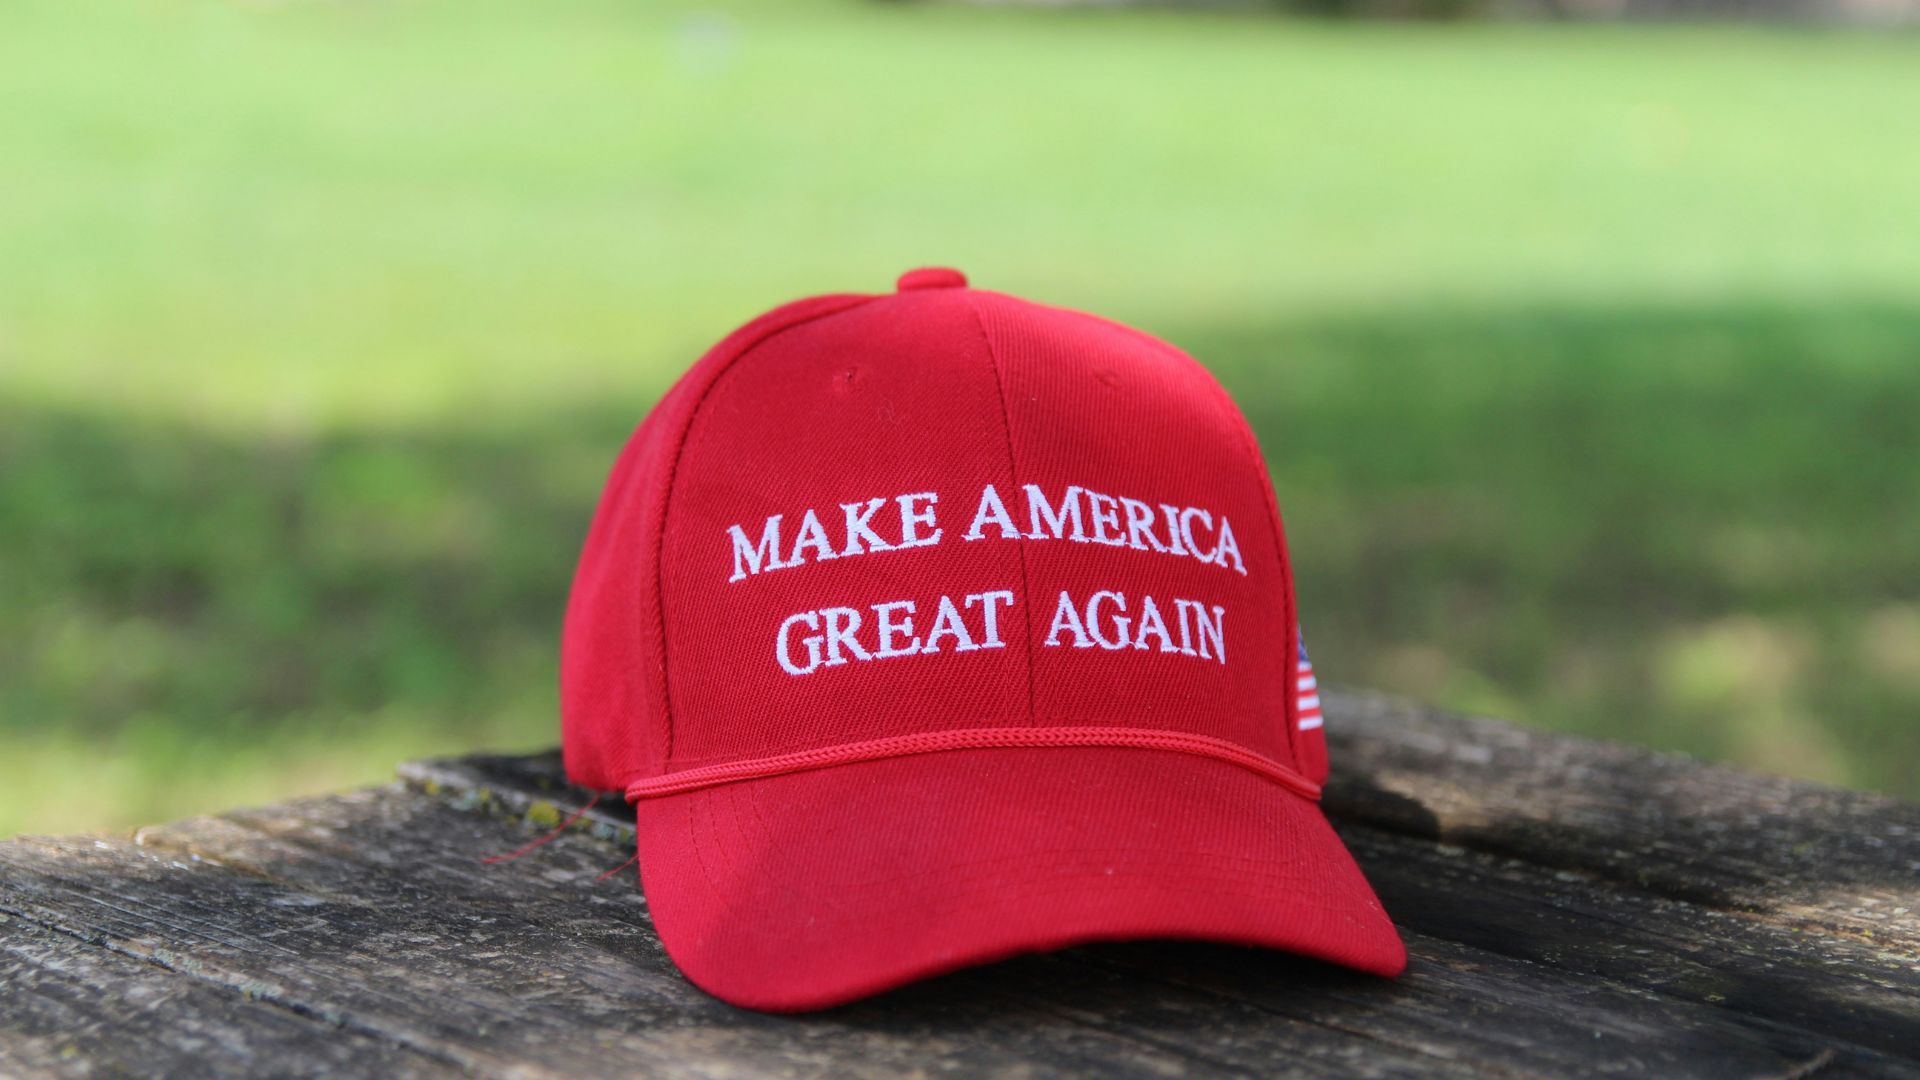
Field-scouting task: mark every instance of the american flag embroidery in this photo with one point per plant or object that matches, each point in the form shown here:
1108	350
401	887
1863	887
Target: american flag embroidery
1309	706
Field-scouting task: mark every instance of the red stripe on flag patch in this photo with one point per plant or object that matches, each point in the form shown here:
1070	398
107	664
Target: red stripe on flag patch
1308	709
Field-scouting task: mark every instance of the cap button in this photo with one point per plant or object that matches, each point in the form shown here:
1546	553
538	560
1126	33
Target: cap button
931	277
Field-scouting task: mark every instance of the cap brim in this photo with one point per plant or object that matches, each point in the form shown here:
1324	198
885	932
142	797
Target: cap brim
812	889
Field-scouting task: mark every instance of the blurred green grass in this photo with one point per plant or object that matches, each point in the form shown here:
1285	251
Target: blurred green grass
1587	359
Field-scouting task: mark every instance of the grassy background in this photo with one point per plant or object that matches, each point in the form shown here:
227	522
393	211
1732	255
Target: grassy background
1588	359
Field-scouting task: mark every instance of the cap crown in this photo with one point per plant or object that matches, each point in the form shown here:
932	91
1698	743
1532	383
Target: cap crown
860	518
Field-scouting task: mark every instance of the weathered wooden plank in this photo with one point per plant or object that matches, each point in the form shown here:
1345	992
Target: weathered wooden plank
1834	992
1417	1024
1761	982
1032	1016
1505	1017
70	1004
1571	907
236	938
1278	1012
549	935
394	966
1817	858
540	968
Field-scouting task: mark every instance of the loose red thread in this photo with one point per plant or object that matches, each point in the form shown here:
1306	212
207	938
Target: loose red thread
617	869
557	830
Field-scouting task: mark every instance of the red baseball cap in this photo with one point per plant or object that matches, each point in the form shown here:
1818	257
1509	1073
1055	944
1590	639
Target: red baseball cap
931	627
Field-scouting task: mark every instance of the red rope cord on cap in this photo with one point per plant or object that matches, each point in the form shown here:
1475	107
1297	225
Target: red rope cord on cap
932	742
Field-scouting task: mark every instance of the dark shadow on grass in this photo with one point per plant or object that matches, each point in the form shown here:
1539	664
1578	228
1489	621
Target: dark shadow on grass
155	568
1693	528
1651	524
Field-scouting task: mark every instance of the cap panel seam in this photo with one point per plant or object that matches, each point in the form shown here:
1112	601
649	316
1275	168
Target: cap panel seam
1251	446
1013	470
1291	628
741	351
